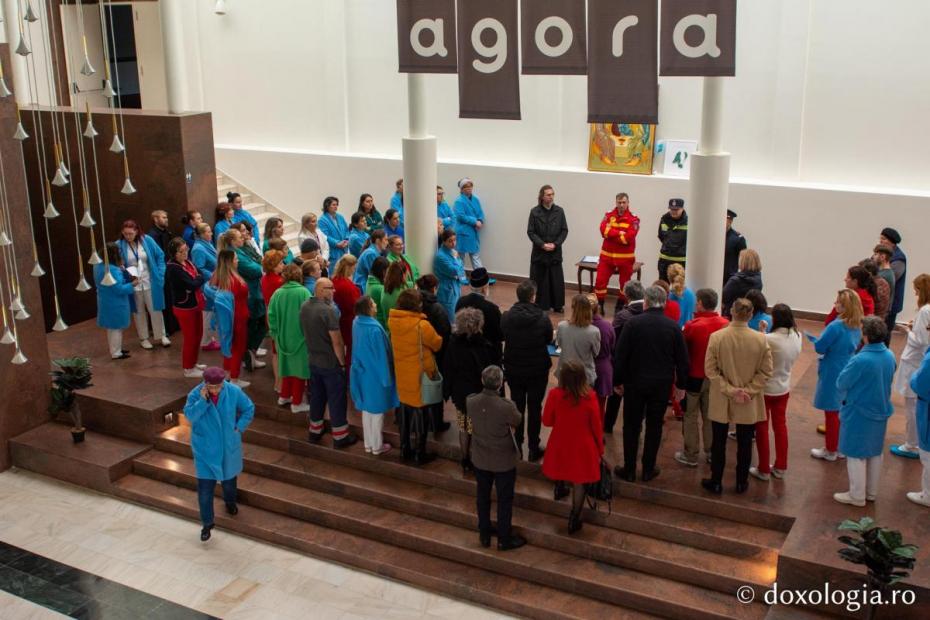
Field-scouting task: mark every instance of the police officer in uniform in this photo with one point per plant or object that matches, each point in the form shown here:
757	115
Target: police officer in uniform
735	243
673	235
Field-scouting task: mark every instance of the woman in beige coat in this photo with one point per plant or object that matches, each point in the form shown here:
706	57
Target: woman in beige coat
738	365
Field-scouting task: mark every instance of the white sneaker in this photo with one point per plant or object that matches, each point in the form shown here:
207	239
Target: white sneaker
755	473
385	448
871	498
261	352
779	473
684	460
302	408
241	383
145	344
193	372
165	342
846	498
200	366
283	401
918	497
823	453
256	363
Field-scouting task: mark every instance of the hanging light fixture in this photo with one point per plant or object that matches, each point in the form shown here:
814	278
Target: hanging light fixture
22	49
20	130
87	221
87	68
83	285
7	334
60	324
220	8
128	188
4	239
108	279
4	89
19	359
60	179
90	132
117	146
50	211
30	15
22	315
61	163
108	91
37	271
17	305
94	258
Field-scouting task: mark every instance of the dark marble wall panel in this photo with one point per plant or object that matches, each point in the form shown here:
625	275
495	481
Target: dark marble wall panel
161	153
24	388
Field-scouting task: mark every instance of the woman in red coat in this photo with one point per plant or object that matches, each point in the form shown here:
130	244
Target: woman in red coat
345	294
576	443
272	266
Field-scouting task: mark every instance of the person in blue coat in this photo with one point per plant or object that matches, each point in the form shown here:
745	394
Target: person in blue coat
203	255
449	269
371	376
835	347
219	412
864	387
191	221
143	257
469	219
393	226
759	315
920	384
334	226
443	211
113	310
358	234
223	221
397	200
239	214
377	246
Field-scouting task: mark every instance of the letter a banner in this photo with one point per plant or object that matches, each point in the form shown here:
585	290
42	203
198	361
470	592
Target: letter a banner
426	36
489	78
553	37
699	37
622	61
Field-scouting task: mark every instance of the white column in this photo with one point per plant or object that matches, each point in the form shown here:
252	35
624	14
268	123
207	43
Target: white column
172	32
419	150
20	77
710	186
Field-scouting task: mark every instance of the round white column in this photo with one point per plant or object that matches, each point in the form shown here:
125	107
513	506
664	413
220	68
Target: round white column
172	32
419	151
20	77
709	189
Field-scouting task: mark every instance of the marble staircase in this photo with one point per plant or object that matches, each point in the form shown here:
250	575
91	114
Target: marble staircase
260	208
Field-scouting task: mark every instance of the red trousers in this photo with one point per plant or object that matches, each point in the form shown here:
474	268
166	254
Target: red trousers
293	388
832	422
233	364
775	409
191	322
607	267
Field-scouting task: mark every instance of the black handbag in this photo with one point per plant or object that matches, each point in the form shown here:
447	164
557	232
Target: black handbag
602	490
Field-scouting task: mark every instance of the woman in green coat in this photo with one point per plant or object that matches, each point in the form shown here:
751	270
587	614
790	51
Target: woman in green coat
395	283
374	287
284	324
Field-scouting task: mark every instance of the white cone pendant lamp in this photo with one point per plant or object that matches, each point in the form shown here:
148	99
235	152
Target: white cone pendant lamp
37	271
87	221
30	15
4	89
20	132
19	359
22	49
22	315
4	239
83	286
60	179
117	146
89	131
108	91
16	305
59	325
7	336
50	211
128	188
94	258
108	279
87	69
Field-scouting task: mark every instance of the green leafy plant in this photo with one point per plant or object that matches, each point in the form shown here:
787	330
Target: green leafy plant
73	373
882	551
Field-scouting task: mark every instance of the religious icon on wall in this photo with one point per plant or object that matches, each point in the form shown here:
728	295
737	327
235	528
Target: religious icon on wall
622	147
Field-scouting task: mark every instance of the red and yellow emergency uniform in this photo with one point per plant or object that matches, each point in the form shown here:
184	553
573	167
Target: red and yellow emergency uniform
618	251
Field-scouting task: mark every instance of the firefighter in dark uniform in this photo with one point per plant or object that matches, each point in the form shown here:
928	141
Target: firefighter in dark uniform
673	235
735	243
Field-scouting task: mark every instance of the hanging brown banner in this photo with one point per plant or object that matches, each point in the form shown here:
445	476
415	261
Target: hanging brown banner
426	36
622	61
699	37
489	79
553	37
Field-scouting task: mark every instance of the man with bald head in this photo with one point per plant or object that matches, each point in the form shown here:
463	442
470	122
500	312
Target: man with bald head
319	322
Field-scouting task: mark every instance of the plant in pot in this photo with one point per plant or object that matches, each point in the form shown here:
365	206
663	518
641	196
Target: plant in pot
73	373
884	553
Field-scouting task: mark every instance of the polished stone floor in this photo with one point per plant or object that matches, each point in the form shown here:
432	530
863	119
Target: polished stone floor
147	562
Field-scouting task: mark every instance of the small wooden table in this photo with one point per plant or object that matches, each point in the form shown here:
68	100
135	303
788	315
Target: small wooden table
591	268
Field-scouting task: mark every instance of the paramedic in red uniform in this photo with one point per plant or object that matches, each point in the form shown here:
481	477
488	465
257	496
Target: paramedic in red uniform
619	229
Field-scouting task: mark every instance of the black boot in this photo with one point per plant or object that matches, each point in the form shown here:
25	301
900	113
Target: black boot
560	491
205	533
403	421
419	427
574	522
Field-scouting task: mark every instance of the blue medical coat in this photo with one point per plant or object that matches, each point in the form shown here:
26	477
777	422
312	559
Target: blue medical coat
864	386
216	431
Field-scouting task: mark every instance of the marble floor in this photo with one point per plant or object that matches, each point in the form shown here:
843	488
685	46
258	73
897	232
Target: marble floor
229	577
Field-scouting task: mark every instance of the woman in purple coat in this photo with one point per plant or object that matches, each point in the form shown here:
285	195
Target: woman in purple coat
603	361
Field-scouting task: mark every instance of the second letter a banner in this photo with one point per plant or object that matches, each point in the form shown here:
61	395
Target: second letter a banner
489	77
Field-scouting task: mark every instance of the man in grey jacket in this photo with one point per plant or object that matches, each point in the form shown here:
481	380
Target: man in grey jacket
494	455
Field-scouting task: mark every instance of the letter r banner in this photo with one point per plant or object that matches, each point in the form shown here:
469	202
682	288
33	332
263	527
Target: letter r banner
489	69
699	37
426	36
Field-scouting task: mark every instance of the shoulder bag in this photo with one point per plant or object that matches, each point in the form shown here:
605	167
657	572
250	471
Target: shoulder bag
430	388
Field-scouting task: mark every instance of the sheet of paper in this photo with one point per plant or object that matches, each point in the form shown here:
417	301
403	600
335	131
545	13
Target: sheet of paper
589	259
132	271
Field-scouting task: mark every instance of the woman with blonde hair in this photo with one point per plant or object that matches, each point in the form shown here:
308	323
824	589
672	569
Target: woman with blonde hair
835	346
680	293
918	340
748	277
230	296
578	338
308	230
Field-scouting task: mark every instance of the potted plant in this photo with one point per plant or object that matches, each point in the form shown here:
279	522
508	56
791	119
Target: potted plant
74	373
883	552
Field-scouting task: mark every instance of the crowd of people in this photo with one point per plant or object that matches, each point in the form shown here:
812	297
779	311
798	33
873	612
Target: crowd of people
351	315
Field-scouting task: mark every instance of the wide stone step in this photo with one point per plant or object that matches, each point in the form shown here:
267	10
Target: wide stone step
453	579
628	515
647	554
607	583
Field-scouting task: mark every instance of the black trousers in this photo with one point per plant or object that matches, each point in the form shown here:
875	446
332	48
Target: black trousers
413	428
643	404
890	323
550	285
612	411
528	394
505	481
718	451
